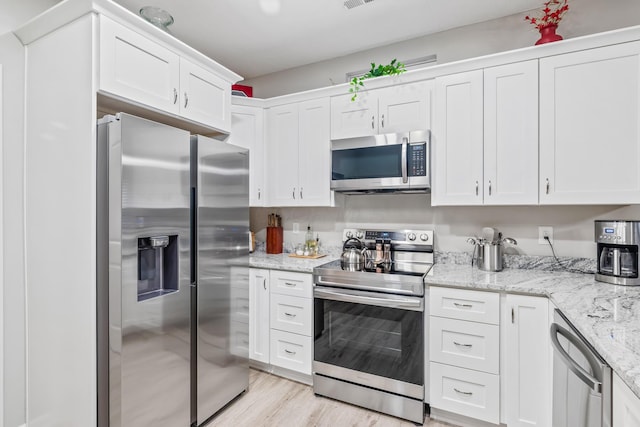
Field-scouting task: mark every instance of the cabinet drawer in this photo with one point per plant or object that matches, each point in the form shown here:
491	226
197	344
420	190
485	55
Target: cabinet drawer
462	304
291	351
294	284
291	314
463	391
465	344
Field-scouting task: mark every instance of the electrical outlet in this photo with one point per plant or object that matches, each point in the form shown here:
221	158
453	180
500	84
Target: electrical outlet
296	228
545	231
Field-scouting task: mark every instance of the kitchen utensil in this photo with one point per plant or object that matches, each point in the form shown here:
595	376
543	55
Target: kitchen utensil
354	255
490	234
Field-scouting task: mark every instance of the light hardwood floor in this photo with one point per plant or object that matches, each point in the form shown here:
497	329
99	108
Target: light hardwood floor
275	401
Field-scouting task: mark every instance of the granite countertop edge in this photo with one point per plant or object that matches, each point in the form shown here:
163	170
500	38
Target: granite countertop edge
608	316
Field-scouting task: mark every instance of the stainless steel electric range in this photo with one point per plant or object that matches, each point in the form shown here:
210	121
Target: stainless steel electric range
369	325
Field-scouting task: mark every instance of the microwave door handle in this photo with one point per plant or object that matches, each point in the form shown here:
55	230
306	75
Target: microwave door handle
405	177
578	370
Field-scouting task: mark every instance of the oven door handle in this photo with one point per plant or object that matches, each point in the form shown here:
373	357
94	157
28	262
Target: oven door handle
357	297
578	370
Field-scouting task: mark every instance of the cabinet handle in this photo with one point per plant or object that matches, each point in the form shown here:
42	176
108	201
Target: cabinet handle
463	345
175	95
290	284
457	304
547	185
300	193
186	100
258	194
489	187
383	120
289	315
373	118
289	351
294	193
513	315
466	393
264	283
476	188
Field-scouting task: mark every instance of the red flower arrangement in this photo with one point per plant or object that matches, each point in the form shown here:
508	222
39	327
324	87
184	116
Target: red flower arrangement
553	11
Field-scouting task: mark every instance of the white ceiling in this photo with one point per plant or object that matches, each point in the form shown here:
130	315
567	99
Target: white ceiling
257	37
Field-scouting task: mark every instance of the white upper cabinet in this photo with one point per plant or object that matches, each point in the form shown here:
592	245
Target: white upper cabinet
137	69
299	154
247	129
485	137
511	134
399	108
589	126
457	136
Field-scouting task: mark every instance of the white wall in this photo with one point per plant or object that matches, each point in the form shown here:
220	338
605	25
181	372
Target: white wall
584	17
572	225
13	302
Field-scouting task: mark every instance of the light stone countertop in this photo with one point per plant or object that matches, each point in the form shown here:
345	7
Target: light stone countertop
608	316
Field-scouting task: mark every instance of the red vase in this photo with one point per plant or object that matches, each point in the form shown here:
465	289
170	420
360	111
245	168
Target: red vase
548	34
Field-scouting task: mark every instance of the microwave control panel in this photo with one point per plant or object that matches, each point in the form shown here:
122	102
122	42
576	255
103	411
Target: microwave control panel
417	154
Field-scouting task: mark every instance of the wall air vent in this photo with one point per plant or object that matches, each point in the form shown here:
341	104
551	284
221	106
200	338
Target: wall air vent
350	4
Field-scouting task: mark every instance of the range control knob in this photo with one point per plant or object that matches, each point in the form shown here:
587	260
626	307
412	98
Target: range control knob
411	236
359	234
349	234
424	237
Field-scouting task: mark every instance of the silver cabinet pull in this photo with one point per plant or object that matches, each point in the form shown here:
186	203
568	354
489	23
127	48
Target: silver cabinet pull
466	393
373	125
300	193
547	185
289	314
489	187
290	284
457	304
463	345
175	95
186	100
264	283
293	193
289	351
476	188
258	194
513	315
383	120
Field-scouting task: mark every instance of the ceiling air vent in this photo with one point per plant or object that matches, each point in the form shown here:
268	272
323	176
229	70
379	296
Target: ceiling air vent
350	4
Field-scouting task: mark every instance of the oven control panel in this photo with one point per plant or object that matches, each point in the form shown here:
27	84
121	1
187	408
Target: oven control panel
413	237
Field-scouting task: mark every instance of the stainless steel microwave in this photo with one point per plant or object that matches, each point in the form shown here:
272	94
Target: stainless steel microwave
393	162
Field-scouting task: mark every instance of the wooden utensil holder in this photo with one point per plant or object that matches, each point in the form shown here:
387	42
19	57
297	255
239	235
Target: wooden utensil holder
274	240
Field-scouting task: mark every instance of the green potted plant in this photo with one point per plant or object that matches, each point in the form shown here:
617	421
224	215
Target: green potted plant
393	68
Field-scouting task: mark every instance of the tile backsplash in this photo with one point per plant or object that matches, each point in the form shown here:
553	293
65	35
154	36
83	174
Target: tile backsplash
572	225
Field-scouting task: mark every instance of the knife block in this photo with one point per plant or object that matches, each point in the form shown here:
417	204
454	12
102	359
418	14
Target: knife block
274	240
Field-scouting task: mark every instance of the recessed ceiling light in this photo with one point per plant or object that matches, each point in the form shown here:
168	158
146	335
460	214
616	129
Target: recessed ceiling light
270	7
158	17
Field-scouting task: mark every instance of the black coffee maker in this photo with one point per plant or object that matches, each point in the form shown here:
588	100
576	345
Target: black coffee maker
617	251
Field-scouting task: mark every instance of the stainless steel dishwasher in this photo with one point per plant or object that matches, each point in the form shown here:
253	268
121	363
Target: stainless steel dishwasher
581	379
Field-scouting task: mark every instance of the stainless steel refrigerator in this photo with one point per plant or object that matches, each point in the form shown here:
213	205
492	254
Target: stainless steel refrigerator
173	245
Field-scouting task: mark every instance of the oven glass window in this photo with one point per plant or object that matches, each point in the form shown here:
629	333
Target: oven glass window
382	341
382	161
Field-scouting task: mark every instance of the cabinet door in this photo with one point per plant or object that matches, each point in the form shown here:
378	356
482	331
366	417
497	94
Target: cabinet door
351	119
138	69
589	126
259	315
511	134
626	405
457	140
204	97
314	153
405	107
527	369
282	155
247	126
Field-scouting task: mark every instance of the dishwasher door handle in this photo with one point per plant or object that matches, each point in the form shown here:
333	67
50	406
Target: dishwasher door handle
578	370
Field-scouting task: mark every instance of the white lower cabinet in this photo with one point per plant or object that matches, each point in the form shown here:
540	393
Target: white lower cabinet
527	367
281	320
626	405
